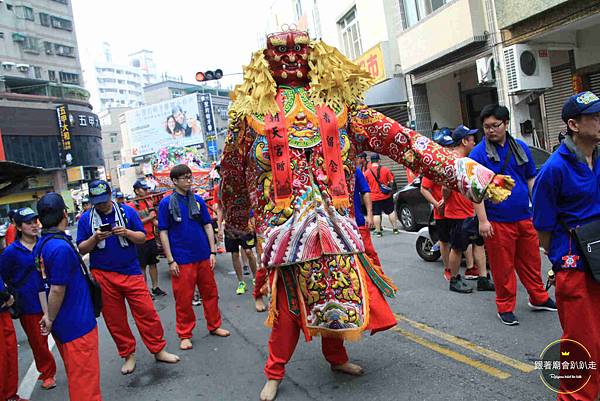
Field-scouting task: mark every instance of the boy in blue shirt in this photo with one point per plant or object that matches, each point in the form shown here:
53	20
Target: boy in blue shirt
511	242
187	236
66	301
567	192
109	232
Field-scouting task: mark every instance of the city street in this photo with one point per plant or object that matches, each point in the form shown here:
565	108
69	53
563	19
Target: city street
447	346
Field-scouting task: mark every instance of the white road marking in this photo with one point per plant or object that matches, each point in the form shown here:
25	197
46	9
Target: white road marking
31	377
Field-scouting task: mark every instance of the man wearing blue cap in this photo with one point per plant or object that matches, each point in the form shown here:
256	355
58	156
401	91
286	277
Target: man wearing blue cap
67	302
18	270
567	195
109	232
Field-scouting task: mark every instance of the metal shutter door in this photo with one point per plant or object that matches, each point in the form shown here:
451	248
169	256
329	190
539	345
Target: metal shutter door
399	113
554	98
595	82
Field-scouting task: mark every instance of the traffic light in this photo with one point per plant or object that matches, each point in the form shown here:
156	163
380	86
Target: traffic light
209	75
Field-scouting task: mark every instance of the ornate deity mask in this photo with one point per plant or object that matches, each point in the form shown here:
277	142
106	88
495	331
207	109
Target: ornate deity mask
287	54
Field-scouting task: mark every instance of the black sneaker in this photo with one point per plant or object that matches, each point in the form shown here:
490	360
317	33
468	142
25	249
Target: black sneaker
485	284
157	292
379	234
549	305
508	318
458	285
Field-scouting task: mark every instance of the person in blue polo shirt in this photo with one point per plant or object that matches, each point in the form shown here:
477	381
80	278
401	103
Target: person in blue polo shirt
66	301
109	232
567	193
17	268
187	236
511	241
363	191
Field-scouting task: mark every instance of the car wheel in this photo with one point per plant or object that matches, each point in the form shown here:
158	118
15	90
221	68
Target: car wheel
424	246
407	218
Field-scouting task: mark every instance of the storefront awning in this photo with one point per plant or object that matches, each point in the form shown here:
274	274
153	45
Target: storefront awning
13	174
391	91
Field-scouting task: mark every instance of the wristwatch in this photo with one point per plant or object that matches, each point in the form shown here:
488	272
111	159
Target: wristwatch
171	262
213	253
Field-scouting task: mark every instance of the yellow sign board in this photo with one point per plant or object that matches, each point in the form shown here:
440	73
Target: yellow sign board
372	61
75	174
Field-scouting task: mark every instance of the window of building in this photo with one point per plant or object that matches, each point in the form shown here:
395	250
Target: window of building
61	23
51	75
113	137
37	72
24	12
31	44
64	50
1	35
61	1
9	7
350	33
416	10
116	156
44	19
48	48
298	8
69	78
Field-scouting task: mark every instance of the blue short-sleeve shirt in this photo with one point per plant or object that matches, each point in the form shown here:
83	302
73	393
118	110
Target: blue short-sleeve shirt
2	288
516	206
60	265
566	190
361	186
187	238
17	268
113	257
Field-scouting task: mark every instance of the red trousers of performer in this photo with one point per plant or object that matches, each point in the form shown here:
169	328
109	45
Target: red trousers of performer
259	282
365	233
578	300
9	360
44	360
287	326
515	247
118	288
82	366
192	275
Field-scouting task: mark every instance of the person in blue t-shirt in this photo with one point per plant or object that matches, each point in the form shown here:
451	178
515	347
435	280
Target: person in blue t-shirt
567	194
17	268
109	232
66	301
511	241
187	236
363	191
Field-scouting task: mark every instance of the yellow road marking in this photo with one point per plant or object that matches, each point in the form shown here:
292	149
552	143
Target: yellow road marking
457	356
513	363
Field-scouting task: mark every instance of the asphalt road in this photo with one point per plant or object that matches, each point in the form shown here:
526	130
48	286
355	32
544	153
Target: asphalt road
447	346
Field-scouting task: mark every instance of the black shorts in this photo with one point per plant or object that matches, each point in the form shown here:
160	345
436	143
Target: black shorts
147	253
232	245
443	229
464	232
385	206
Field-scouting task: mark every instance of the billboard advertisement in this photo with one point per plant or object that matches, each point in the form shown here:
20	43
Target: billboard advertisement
174	122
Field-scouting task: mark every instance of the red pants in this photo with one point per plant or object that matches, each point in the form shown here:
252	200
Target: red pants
284	337
44	360
365	233
82	366
578	300
9	359
515	247
116	288
287	326
198	274
259	282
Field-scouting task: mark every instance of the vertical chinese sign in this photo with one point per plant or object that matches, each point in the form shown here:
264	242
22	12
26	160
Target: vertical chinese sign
211	130
65	130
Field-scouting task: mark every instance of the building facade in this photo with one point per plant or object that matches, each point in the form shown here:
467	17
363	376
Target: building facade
112	141
45	118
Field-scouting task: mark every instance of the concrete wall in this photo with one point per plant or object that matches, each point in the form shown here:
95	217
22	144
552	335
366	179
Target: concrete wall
444	101
510	12
588	47
439	33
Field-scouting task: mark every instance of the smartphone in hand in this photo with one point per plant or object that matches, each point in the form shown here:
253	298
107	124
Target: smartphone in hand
105	228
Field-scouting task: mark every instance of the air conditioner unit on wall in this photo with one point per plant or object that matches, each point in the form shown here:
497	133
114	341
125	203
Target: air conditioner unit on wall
486	72
527	68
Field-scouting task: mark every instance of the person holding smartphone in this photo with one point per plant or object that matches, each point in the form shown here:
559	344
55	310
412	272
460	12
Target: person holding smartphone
109	232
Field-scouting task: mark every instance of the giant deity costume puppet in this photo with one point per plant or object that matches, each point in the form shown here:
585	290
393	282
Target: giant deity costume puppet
296	124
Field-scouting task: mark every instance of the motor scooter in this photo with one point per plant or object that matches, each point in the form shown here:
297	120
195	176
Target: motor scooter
426	240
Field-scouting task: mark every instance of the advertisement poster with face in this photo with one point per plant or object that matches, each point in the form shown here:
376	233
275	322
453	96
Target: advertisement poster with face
173	122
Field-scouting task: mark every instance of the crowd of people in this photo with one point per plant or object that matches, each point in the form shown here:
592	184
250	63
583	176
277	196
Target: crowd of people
46	284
